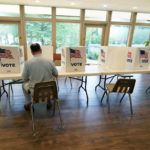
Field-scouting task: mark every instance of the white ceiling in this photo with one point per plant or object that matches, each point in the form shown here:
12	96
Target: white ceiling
122	5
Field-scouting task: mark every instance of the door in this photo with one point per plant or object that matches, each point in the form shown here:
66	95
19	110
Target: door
93	40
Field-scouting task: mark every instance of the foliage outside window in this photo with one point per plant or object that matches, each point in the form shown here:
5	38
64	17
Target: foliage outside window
95	15
66	13
9	34
38	12
121	16
141	35
93	42
40	32
143	18
118	35
67	34
9	10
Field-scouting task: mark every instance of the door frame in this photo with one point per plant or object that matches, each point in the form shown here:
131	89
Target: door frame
103	26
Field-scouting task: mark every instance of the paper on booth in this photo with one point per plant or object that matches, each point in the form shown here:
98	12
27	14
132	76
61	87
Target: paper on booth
73	59
21	53
11	59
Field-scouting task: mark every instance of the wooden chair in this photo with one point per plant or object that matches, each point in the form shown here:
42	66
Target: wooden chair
45	91
125	86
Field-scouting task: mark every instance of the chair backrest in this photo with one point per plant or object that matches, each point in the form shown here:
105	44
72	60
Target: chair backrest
45	91
124	86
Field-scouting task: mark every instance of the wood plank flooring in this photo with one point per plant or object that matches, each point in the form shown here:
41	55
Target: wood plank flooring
85	127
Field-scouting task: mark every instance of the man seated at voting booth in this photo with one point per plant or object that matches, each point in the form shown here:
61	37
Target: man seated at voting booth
36	70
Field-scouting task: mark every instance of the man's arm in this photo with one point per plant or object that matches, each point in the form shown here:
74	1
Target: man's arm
25	73
54	70
26	80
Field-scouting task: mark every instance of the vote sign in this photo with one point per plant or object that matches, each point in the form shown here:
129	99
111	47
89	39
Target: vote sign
11	59
73	58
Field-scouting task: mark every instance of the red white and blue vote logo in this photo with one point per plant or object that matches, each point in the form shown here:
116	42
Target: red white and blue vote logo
5	54
102	55
144	56
129	57
74	53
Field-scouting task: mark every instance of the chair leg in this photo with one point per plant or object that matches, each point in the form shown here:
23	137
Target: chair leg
108	102
61	121
122	97
130	104
33	126
103	96
54	107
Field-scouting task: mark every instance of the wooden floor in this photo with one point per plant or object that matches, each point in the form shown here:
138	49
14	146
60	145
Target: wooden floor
86	127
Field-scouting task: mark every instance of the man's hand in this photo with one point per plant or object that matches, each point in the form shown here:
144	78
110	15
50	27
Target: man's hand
26	80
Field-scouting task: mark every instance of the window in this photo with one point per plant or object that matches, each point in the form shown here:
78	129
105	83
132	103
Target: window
143	18
93	43
141	34
9	34
9	10
38	12
65	13
95	15
39	32
67	34
118	35
121	16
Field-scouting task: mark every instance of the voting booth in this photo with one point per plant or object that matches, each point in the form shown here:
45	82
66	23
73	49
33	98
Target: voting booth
112	57
47	51
73	59
11	59
138	58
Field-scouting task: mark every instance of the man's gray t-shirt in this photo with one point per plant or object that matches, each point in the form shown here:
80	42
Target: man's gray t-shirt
39	69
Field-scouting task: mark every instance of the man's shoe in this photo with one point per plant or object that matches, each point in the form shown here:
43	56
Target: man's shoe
49	105
27	107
